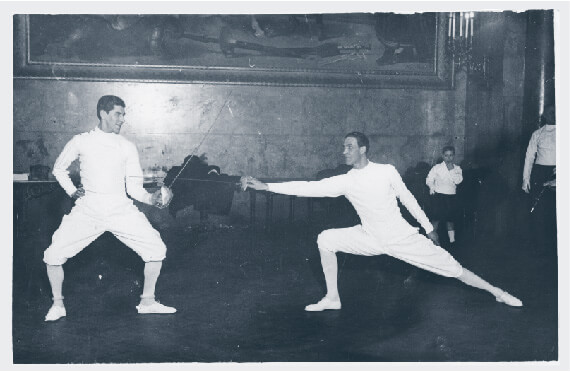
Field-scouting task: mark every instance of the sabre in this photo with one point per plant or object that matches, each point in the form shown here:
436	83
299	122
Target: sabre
539	196
537	199
165	190
185	179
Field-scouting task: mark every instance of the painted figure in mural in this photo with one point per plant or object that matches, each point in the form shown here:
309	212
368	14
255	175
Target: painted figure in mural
156	39
406	37
381	38
373	190
442	181
109	166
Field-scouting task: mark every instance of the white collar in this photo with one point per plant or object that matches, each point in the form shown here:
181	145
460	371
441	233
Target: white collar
99	131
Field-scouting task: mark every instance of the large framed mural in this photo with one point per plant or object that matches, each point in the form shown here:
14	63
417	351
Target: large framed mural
352	49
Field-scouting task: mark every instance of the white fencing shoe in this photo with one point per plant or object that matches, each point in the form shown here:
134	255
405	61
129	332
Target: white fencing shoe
54	313
324	304
155	308
508	299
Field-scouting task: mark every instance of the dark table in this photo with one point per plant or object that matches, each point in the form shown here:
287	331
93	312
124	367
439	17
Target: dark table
269	196
25	192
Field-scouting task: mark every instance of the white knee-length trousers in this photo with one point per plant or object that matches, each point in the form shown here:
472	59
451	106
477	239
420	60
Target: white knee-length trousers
92	216
415	249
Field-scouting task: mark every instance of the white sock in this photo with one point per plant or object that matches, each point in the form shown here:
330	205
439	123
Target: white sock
451	234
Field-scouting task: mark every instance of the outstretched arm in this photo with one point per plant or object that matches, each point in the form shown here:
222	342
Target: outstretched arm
327	187
254	183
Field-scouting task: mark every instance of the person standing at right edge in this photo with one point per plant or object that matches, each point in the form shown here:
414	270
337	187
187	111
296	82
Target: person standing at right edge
539	180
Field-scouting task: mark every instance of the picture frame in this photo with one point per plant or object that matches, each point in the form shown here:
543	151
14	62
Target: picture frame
363	50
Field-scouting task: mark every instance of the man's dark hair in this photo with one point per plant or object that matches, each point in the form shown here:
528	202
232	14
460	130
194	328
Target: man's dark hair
108	103
448	148
361	139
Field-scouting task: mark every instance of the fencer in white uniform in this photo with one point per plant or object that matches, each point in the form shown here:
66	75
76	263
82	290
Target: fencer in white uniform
109	170
373	190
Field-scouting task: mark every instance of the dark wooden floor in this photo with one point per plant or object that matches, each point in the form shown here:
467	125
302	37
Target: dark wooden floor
240	294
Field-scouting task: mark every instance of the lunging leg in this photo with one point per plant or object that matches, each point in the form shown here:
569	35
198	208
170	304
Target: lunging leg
473	280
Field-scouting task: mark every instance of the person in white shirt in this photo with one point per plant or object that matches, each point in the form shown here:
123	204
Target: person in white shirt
109	166
540	159
442	181
373	189
539	179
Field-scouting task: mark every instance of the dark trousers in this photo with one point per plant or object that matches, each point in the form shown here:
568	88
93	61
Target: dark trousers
543	206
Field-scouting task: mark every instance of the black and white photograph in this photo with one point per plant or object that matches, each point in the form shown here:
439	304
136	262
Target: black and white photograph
284	185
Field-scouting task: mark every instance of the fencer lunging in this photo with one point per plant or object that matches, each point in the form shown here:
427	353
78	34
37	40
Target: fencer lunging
373	190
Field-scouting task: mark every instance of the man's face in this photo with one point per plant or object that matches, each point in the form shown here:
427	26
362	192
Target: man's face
111	122
448	156
352	153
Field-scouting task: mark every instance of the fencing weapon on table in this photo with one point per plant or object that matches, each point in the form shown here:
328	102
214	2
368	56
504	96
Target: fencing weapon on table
165	191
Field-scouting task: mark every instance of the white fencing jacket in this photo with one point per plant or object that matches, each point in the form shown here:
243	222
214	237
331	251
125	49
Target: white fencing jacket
372	191
109	166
